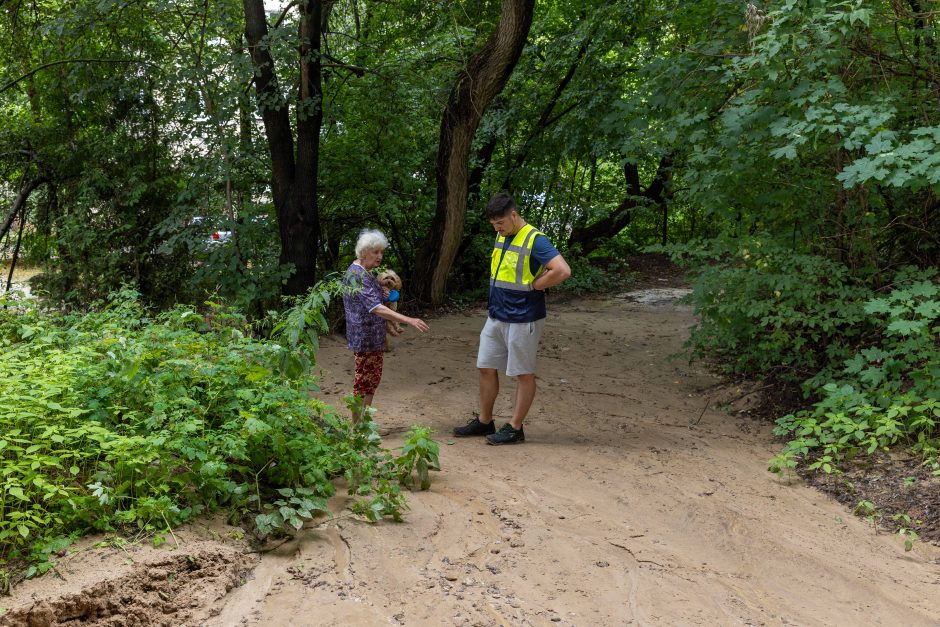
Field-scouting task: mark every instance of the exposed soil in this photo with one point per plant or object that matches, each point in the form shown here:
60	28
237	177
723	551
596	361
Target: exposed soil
134	585
896	485
640	496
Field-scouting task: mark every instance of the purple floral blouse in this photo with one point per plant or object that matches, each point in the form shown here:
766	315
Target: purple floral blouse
365	331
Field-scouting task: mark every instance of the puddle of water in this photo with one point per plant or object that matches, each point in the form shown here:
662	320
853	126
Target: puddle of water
657	296
21	276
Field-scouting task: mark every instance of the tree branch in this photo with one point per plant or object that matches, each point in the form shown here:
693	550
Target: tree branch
18	204
64	61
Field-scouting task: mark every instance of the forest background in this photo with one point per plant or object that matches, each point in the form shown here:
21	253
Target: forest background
786	152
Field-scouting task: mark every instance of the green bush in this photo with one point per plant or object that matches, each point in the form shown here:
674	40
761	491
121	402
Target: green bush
885	393
117	419
765	311
587	278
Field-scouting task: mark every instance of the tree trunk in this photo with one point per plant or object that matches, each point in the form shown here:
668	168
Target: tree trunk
665	233
592	236
18	204
483	158
16	248
294	178
477	84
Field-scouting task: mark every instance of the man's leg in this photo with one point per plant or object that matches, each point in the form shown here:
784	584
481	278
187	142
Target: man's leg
525	393
489	389
491	358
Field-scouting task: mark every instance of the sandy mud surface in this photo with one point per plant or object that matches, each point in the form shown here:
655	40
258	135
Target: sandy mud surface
637	498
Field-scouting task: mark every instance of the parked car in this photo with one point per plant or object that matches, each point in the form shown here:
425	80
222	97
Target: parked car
214	236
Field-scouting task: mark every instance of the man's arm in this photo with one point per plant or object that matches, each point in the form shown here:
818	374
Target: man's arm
556	271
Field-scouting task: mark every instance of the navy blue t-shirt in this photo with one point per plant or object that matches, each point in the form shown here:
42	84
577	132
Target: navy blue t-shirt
513	306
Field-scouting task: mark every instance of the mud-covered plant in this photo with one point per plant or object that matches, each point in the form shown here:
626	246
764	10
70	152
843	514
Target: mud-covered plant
419	455
296	506
905	529
868	510
384	501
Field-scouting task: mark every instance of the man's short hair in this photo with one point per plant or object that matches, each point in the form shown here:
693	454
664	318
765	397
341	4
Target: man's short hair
499	205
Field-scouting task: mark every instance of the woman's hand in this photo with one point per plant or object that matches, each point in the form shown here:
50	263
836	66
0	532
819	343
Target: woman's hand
388	314
385	293
419	324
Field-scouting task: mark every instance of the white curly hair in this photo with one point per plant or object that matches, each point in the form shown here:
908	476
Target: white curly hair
370	239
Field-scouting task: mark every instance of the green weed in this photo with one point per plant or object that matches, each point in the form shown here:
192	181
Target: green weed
419	455
122	420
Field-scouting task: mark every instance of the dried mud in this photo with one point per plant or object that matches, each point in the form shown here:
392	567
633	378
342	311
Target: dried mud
133	587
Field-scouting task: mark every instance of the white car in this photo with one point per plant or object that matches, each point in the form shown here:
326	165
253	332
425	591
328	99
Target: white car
219	237
215	237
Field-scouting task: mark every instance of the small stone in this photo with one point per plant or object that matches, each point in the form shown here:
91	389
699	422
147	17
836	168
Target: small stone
516	543
469	581
602	564
450	577
494	551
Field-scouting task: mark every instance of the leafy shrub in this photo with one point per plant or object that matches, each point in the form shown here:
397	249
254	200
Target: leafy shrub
419	454
765	311
887	392
119	419
587	278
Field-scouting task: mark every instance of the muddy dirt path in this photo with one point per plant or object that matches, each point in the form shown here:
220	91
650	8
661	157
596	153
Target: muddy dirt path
615	511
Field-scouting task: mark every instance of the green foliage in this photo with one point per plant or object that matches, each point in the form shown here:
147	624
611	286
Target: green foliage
905	529
586	278
419	455
765	311
119	419
296	506
885	393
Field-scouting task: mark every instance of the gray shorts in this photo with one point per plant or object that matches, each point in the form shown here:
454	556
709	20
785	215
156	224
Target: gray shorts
510	346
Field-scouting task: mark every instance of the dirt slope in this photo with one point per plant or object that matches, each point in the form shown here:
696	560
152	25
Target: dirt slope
615	511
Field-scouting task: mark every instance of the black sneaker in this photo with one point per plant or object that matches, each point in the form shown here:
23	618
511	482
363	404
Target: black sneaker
475	427
506	435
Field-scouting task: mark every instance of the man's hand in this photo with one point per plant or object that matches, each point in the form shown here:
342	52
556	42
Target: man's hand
556	271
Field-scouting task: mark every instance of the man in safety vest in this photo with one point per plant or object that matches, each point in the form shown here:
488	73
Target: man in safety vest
523	265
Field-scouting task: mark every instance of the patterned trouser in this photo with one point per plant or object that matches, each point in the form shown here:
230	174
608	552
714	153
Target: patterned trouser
368	372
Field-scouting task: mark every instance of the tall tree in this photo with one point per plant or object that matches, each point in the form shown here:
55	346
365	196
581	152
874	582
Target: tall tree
483	77
294	175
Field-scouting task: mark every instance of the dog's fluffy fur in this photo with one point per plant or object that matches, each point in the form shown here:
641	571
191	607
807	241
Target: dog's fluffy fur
390	280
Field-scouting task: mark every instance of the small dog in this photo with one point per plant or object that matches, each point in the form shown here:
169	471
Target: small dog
389	280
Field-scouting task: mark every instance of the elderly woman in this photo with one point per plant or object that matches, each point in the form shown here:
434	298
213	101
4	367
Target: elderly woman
366	316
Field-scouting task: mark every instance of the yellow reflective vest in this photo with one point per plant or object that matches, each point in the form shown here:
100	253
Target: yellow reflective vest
511	270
